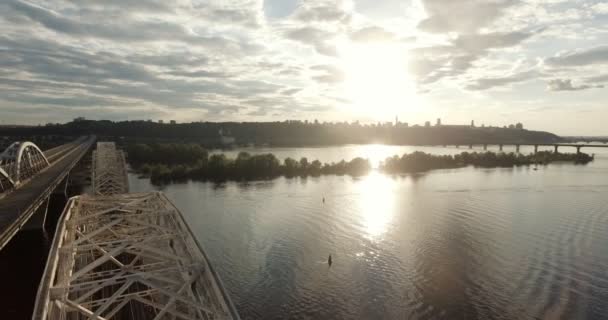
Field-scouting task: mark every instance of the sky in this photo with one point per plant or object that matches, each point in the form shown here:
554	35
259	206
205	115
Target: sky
540	62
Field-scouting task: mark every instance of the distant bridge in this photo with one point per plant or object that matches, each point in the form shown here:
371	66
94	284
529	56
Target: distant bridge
517	145
29	176
119	255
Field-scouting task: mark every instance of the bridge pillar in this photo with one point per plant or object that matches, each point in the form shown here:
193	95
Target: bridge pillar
500	147
38	219
470	146
517	148
555	148
535	148
485	147
578	150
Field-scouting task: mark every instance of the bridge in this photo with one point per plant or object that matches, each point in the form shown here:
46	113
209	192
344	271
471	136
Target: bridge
119	255
28	176
517	145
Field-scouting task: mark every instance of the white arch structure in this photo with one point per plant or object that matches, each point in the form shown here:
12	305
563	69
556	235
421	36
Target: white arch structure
19	162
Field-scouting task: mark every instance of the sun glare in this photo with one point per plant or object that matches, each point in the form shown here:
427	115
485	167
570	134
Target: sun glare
377	204
377	80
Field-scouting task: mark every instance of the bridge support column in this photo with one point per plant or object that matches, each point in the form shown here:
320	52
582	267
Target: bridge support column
500	147
535	148
38	219
485	147
555	149
517	148
578	150
470	146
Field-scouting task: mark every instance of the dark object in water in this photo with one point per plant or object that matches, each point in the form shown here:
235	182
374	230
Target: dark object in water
329	260
323	199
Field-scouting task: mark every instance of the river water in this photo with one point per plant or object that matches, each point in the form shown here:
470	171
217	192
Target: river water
507	243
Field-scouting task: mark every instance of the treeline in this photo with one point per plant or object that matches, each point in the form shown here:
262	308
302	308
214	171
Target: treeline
288	133
420	161
164	162
190	161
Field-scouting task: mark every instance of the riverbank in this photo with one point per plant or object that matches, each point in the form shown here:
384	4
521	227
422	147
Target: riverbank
167	162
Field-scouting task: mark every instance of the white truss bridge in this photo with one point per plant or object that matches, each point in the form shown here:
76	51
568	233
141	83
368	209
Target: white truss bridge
109	174
127	256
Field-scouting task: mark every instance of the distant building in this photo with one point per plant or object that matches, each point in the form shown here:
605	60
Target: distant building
519	126
427	124
511	126
472	123
161	121
438	122
172	122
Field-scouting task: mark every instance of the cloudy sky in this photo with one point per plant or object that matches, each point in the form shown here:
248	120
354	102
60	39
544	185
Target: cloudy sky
541	62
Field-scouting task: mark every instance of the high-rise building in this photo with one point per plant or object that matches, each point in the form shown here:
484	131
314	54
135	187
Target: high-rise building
438	122
472	123
427	124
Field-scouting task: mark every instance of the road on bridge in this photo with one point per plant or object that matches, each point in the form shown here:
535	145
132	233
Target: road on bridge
19	205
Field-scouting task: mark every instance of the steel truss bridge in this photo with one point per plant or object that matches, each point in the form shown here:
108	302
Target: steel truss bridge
119	255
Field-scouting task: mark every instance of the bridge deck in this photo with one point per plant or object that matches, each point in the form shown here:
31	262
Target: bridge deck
19	205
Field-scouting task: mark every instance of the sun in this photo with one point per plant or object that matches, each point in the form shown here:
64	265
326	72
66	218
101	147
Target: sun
377	80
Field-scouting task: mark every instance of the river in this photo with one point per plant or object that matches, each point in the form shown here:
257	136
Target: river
506	243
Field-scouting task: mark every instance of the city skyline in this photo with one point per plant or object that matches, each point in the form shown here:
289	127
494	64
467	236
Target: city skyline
503	61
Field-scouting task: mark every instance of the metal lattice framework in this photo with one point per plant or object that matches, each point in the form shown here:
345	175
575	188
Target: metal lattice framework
19	162
109	170
129	256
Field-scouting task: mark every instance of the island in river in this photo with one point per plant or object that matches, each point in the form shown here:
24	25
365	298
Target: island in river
170	161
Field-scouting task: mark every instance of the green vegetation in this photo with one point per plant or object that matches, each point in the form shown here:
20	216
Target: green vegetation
420	161
164	162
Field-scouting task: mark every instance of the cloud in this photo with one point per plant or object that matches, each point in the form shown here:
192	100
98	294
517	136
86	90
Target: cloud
324	11
462	16
372	34
128	30
433	63
330	74
492	40
580	57
318	38
247	13
566	85
487	83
